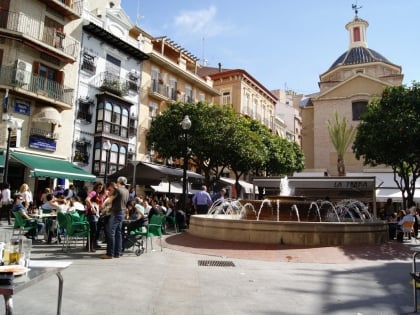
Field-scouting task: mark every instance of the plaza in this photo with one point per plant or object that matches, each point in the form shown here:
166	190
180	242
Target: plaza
192	275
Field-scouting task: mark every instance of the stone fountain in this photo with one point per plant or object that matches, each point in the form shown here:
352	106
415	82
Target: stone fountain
291	220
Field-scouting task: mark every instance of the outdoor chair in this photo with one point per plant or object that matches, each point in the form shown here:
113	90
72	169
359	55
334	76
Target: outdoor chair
153	229
74	228
407	230
22	225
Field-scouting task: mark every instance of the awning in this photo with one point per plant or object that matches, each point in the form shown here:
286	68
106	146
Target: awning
48	115
152	174
49	167
245	185
173	188
383	194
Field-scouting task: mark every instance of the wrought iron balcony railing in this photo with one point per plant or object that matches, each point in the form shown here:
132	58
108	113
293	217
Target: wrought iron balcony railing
44	133
18	22
113	83
12	76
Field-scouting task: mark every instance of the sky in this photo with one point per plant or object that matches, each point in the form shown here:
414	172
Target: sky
284	44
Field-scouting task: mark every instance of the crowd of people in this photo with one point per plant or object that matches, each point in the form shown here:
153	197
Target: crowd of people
397	218
111	210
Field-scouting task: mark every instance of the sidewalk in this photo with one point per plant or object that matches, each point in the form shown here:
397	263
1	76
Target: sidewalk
263	280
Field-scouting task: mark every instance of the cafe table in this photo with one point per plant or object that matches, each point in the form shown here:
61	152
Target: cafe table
38	271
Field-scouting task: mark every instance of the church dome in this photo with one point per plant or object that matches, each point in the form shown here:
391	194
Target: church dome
358	52
358	55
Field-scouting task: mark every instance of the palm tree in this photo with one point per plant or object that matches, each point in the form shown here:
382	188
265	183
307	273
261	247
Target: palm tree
341	135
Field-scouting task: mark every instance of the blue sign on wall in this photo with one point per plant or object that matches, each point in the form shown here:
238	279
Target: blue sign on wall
22	108
42	143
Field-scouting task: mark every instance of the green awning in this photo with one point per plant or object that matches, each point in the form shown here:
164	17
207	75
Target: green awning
49	167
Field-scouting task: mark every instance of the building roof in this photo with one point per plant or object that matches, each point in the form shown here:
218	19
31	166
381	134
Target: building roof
358	55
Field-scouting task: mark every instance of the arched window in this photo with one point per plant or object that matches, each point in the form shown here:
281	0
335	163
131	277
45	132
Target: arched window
123	157
100	117
124	123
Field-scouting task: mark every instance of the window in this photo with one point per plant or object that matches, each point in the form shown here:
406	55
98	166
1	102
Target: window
356	34
81	154
226	98
358	108
83	110
188	93
152	112
113	65
172	93
88	63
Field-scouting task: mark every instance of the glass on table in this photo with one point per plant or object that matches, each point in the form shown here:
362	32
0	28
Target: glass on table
25	252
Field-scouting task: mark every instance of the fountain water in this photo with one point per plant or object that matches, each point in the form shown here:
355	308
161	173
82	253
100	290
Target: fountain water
278	220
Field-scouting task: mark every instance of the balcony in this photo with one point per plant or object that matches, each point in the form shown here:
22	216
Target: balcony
44	133
35	86
112	83
69	8
47	40
163	92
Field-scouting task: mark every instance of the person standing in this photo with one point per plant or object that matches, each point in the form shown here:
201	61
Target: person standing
118	198
6	201
202	200
26	193
93	202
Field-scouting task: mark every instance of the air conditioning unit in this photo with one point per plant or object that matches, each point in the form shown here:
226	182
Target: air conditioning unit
134	75
23	72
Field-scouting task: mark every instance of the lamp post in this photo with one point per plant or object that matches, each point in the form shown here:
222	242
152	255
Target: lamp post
11	124
134	163
186	125
106	145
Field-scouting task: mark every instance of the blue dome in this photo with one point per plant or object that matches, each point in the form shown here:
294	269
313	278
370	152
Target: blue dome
358	55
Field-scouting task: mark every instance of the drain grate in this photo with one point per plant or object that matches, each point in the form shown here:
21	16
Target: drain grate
216	263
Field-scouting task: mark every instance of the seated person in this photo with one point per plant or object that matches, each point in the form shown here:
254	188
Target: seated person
51	204
76	205
37	226
135	217
409	217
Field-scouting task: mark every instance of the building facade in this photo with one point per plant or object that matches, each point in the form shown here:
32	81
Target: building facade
39	57
346	87
169	75
107	109
244	93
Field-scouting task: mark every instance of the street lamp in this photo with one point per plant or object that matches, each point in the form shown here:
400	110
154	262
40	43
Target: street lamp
11	124
134	163
186	125
106	145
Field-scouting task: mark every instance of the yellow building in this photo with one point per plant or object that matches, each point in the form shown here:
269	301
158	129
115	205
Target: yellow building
169	75
244	93
39	56
346	87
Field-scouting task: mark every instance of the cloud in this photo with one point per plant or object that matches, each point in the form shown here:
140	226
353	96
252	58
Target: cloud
200	22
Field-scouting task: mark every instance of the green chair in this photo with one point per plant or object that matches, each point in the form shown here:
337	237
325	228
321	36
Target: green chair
74	228
153	229
23	225
172	220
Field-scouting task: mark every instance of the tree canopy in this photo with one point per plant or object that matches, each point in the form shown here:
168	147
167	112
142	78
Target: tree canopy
389	134
220	139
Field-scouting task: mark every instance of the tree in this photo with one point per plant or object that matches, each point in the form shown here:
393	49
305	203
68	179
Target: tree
341	136
389	134
220	139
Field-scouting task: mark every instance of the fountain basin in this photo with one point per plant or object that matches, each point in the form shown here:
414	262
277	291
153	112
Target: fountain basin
230	228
